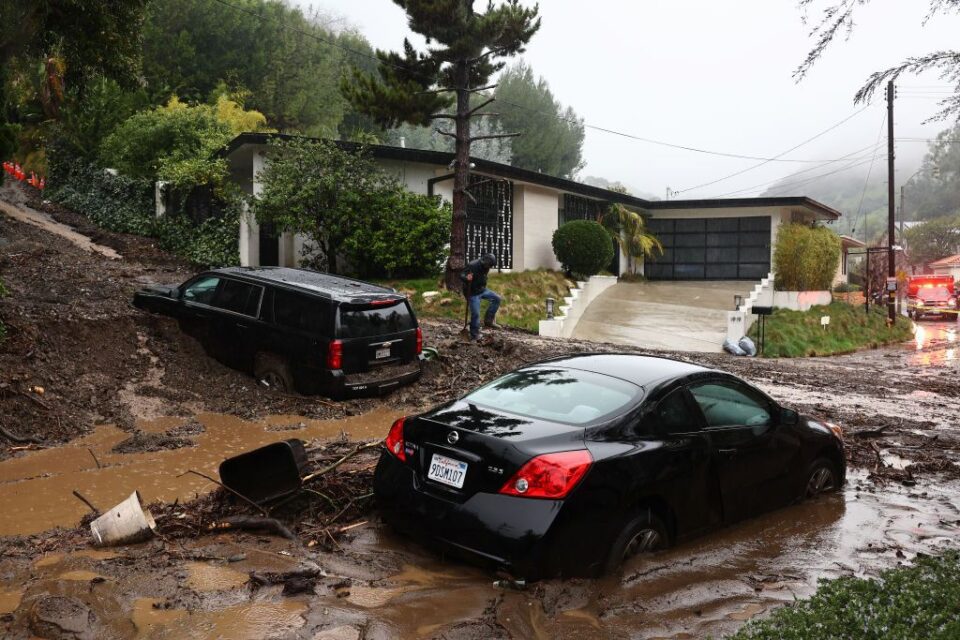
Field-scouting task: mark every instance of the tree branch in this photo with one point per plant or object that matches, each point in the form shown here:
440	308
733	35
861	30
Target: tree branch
495	136
446	133
486	88
438	116
480	106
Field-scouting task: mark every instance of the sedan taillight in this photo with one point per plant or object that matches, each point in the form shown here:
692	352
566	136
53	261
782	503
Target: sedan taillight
394	441
552	475
335	355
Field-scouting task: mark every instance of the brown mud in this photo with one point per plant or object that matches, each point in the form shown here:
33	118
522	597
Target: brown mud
113	400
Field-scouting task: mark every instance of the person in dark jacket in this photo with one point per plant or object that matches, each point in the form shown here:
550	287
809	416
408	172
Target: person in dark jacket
475	289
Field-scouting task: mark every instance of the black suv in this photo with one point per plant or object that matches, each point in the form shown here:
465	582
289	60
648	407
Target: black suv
297	329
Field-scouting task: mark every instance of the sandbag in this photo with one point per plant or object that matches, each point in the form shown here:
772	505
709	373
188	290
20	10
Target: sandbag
733	348
749	348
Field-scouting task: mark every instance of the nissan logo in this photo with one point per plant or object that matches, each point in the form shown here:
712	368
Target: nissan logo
453	437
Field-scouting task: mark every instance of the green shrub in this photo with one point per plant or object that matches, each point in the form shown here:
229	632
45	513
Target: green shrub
846	287
797	334
126	205
805	258
583	247
921	602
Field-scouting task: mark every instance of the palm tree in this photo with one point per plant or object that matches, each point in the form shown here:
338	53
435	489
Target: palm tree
629	230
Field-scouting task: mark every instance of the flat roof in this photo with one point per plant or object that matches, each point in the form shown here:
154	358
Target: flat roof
500	170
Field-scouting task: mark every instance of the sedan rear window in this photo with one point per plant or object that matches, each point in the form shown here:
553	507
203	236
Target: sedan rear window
375	321
568	396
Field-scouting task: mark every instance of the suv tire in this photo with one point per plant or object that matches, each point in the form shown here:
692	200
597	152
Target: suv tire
274	372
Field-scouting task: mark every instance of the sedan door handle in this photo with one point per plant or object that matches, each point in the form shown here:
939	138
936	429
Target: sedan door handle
727	452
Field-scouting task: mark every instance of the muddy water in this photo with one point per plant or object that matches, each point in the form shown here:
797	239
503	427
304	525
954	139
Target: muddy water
935	344
709	586
35	488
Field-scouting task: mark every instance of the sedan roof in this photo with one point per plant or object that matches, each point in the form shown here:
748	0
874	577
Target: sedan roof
640	370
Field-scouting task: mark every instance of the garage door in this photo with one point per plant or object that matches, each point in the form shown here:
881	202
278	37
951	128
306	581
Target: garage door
711	249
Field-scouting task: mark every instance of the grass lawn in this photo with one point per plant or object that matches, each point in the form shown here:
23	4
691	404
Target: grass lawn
920	602
523	296
794	334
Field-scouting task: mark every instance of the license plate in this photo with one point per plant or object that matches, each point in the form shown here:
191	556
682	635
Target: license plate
447	471
383	353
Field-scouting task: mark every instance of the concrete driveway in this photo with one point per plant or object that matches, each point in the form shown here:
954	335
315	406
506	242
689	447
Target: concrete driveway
677	316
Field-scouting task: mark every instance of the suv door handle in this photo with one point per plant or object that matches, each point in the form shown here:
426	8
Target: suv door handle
728	452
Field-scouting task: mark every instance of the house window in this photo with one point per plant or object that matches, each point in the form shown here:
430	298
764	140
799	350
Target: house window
576	208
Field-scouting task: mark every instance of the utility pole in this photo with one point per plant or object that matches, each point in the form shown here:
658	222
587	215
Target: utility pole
891	207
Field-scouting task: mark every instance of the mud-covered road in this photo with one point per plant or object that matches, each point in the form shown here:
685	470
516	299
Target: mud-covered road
99	398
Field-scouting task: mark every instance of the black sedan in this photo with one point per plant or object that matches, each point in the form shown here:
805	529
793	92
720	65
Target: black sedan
570	466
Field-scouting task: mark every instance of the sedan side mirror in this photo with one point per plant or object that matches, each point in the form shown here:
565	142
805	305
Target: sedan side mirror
789	416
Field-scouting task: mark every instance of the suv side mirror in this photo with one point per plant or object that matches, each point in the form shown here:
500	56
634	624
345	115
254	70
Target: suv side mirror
789	416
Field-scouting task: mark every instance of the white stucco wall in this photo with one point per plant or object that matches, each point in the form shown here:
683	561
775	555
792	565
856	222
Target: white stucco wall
538	212
249	229
948	271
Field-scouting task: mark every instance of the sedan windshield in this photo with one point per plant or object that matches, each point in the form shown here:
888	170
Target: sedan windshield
568	396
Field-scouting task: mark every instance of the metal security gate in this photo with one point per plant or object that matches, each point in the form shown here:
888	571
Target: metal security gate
711	249
490	220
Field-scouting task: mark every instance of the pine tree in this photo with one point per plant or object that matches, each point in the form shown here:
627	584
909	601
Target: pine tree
465	48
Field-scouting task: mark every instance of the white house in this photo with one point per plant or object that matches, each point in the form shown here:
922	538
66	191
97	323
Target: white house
949	266
517	210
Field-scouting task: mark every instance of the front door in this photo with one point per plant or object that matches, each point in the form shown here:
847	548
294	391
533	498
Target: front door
753	456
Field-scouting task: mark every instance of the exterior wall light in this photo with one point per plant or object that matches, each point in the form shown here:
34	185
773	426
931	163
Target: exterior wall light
551	303
737	302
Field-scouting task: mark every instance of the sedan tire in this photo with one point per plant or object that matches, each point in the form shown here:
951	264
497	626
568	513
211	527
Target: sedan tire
274	372
822	477
644	533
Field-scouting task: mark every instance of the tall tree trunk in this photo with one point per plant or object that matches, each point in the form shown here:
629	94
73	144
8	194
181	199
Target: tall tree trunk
461	176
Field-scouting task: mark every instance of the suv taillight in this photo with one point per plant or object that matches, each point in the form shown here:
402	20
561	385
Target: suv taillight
394	442
335	355
552	475
419	340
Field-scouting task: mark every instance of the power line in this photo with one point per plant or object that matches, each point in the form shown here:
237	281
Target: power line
575	121
866	181
777	157
852	157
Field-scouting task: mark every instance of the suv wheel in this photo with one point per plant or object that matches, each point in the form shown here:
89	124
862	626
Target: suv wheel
273	371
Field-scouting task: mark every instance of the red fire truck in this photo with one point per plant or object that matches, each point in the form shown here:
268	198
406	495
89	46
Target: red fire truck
931	296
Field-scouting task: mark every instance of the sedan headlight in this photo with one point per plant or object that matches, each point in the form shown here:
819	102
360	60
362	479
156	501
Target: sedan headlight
836	429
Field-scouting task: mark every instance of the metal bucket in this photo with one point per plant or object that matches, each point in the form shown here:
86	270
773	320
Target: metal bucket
126	523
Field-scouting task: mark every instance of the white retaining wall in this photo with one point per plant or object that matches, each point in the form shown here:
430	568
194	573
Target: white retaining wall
763	295
569	313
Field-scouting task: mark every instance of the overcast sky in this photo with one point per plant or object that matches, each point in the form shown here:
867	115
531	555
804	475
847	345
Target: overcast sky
713	75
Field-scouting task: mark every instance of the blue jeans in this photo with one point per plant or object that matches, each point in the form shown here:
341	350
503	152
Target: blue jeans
494	299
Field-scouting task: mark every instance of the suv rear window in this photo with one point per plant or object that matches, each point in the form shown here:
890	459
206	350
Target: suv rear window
375	321
569	396
300	312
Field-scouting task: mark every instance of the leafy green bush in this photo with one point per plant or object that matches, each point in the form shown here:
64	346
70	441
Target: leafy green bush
921	602
805	258
403	235
348	208
125	205
583	247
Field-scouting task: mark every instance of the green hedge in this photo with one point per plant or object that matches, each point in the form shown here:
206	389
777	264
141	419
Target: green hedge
126	205
921	602
583	247
795	334
805	258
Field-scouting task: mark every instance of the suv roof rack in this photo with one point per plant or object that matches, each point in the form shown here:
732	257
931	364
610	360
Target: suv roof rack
339	288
